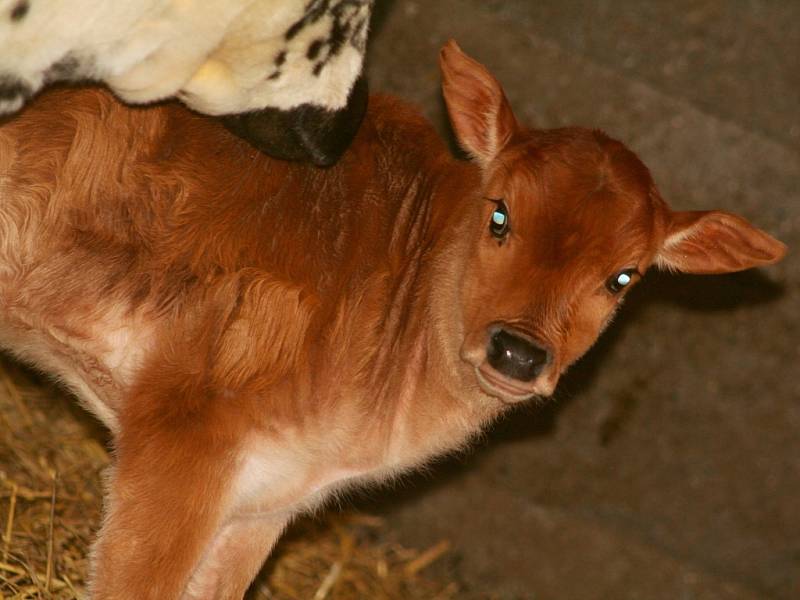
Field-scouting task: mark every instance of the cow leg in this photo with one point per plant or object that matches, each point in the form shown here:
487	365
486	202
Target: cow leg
164	508
237	554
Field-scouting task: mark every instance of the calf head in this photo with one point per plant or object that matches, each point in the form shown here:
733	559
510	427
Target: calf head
570	220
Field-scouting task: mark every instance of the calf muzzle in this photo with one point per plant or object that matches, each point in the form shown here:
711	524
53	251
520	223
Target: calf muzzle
515	356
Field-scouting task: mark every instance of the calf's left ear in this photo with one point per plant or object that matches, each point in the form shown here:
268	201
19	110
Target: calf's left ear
716	242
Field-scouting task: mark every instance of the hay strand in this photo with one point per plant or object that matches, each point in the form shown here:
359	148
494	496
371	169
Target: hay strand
49	568
426	558
12	505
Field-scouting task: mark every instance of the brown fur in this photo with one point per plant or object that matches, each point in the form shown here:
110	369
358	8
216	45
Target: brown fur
257	334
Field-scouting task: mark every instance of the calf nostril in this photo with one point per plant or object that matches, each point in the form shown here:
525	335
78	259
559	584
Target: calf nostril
515	356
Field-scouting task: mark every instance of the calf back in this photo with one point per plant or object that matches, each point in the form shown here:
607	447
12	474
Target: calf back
124	228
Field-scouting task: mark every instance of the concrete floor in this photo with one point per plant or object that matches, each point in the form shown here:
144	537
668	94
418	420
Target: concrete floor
669	464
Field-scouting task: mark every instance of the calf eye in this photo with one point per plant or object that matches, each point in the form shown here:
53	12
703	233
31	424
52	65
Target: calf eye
498	224
621	280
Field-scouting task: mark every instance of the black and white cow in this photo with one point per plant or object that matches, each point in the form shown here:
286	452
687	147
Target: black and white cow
284	74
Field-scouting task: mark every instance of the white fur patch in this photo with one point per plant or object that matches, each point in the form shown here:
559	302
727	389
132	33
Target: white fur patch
218	56
276	476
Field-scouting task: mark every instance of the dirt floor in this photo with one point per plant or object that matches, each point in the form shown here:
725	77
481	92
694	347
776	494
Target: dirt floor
668	465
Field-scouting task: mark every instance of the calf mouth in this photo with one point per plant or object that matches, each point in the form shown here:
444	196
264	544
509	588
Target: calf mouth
501	387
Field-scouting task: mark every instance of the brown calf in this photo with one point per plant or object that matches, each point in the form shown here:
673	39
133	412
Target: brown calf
259	334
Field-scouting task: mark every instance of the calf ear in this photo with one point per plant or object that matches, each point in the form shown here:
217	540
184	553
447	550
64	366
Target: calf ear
716	242
478	108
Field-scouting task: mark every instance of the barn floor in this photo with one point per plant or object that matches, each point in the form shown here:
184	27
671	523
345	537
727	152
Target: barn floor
668	466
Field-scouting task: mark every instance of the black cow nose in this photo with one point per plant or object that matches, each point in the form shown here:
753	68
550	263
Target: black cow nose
514	356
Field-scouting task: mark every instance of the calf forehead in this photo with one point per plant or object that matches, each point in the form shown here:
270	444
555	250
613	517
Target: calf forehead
604	221
584	196
576	161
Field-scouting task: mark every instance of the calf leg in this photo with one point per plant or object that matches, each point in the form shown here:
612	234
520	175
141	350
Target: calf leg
236	555
165	505
159	524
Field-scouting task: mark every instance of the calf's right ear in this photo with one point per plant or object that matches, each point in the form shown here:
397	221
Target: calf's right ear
716	242
478	108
